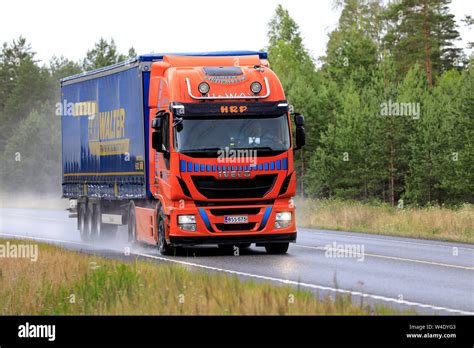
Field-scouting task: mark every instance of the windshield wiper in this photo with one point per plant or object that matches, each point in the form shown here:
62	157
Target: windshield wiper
202	150
267	148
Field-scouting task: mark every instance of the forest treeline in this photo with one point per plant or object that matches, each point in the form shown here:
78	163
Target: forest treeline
389	108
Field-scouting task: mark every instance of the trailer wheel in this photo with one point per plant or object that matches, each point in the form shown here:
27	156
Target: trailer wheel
82	222
100	230
132	224
89	221
277	248
163	246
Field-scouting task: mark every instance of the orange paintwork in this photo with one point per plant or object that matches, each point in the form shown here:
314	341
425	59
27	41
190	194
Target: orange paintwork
168	84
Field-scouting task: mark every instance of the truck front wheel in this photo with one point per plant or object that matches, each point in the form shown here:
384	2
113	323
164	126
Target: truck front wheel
163	246
277	248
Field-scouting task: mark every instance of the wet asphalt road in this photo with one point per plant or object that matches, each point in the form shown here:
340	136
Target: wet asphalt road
409	274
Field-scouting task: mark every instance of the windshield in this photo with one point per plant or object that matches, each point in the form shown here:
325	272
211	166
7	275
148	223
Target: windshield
264	134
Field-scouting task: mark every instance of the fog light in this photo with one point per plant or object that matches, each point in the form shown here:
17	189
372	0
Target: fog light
283	219
204	88
256	87
282	224
187	222
188	227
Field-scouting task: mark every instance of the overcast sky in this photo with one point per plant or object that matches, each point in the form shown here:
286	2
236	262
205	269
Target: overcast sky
70	28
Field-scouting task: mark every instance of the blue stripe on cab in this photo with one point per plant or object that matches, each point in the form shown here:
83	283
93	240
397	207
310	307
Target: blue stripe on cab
202	167
190	167
265	166
260	167
183	165
208	168
285	163
196	167
278	165
213	168
265	217
204	217
272	165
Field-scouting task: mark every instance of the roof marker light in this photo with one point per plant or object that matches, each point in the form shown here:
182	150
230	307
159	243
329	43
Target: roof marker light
204	88
256	87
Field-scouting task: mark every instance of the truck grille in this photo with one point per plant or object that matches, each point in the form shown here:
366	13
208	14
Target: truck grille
236	227
257	187
235	211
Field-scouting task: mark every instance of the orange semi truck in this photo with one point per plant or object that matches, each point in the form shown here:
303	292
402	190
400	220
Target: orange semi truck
184	149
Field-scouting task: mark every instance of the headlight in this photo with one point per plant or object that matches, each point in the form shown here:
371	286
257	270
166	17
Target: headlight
283	219
283	216
204	88
186	219
187	222
256	87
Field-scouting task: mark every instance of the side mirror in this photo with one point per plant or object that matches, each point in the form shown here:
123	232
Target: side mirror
299	120
157	124
300	138
156	141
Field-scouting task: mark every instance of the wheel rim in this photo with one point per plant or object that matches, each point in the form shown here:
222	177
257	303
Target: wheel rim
82	223
97	223
90	223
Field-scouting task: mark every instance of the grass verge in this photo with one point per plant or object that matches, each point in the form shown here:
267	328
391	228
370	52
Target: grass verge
437	223
63	282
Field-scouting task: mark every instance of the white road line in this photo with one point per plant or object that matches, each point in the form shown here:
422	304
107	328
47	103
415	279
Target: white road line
312	286
389	239
393	258
273	279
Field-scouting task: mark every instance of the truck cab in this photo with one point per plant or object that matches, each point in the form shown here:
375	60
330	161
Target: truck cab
222	153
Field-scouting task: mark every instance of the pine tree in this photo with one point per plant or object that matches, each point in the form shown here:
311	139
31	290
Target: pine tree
105	53
422	32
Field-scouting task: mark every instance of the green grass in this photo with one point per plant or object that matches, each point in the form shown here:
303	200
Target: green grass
437	223
66	283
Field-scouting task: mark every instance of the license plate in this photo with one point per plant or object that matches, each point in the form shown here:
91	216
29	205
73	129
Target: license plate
236	219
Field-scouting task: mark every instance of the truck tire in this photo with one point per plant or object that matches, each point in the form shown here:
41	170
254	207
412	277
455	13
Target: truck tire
163	247
132	224
277	248
101	231
82	222
89	221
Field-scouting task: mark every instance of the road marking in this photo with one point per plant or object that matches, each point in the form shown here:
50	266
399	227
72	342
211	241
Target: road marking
273	279
308	285
389	239
392	258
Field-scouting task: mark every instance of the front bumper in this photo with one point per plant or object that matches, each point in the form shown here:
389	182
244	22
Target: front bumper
211	227
262	238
